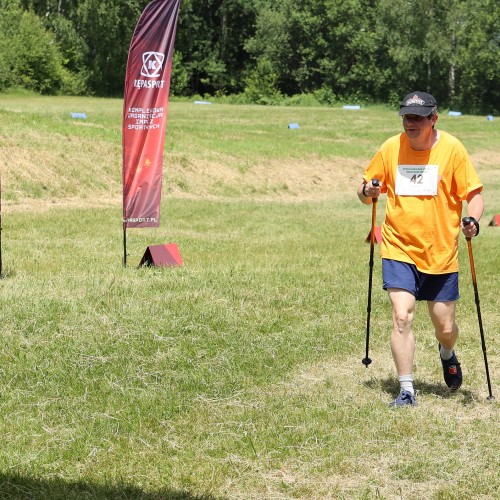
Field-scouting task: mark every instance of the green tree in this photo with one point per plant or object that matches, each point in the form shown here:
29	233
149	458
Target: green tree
371	50
320	44
106	29
210	38
8	20
478	56
50	8
261	84
37	61
74	51
29	55
418	46
270	51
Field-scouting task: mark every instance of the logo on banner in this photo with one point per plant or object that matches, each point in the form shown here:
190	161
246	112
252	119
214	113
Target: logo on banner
152	67
152	64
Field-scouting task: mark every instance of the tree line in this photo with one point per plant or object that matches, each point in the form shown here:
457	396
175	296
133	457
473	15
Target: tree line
263	51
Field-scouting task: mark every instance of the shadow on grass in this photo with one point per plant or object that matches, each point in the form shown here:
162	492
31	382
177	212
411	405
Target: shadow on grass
16	487
391	386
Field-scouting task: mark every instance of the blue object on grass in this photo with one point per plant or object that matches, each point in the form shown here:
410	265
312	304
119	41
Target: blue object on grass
454	113
81	116
202	102
293	125
350	106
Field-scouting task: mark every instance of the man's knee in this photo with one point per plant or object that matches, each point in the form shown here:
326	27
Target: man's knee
447	332
403	320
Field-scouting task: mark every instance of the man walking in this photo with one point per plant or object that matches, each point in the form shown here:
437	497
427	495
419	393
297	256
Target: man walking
427	175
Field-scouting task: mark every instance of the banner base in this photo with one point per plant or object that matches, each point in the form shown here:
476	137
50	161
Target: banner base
378	235
162	256
495	221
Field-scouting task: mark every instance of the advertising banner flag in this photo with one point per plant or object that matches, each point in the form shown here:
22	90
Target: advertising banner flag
147	86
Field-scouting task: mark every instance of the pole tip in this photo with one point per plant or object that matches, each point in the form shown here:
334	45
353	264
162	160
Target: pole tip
366	361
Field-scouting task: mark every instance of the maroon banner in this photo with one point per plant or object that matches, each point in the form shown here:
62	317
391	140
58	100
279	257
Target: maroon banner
147	86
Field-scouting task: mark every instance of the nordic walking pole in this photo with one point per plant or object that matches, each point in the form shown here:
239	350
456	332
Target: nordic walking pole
466	221
366	360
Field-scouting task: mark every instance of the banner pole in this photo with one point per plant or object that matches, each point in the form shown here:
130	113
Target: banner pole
1	266
124	246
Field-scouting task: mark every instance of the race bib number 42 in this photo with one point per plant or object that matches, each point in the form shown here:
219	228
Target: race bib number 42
417	180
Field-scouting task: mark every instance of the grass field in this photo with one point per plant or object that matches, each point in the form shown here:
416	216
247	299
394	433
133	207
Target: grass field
239	374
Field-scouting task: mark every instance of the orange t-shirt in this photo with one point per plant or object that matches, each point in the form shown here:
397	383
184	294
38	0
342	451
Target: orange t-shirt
425	191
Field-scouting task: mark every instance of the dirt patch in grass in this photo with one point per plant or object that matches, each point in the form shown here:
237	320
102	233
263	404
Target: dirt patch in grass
485	159
290	180
52	178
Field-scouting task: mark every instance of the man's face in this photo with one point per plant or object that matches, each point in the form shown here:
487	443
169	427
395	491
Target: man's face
418	127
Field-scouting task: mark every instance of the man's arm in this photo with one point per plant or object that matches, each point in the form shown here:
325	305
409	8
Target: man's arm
475	209
475	205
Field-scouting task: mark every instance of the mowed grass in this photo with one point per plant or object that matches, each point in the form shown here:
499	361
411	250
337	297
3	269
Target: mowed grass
239	374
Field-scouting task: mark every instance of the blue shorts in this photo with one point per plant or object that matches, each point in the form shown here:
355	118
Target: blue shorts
434	287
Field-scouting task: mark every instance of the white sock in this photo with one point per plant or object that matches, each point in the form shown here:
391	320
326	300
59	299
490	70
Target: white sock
445	353
406	382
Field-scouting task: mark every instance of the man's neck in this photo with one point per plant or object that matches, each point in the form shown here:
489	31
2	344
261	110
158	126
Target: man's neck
425	143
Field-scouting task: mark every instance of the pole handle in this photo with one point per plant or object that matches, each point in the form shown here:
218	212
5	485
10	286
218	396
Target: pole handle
375	183
468	220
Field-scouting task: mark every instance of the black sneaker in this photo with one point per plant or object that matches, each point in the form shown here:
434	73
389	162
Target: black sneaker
452	372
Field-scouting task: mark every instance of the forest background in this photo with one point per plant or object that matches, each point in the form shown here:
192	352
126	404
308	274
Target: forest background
266	51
